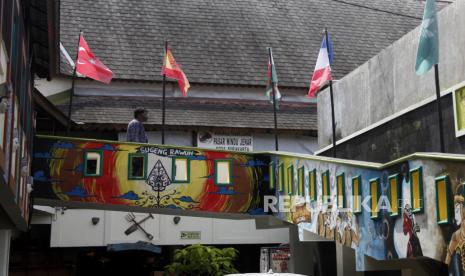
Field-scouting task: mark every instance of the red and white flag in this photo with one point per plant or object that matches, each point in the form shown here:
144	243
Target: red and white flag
90	66
322	74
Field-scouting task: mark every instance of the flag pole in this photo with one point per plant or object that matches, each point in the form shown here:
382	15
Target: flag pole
333	121
439	108
163	106
276	143
71	94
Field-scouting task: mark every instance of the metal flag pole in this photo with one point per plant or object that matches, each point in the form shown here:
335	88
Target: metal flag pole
274	101
71	94
439	108
163	106
333	121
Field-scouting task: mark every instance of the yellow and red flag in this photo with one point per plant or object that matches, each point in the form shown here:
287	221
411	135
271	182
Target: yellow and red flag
172	70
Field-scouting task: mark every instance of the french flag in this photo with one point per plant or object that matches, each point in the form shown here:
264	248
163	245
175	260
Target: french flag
322	74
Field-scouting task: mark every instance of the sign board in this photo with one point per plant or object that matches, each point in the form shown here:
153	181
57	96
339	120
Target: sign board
275	259
190	235
224	141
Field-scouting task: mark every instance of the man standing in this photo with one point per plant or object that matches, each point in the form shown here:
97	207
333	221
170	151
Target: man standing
136	131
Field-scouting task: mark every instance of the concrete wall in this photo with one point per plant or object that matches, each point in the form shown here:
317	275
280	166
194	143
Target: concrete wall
74	228
387	83
415	131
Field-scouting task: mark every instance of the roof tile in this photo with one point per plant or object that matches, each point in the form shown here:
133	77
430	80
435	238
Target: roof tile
224	41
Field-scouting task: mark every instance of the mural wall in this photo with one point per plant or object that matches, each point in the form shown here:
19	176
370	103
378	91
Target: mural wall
148	176
413	208
410	208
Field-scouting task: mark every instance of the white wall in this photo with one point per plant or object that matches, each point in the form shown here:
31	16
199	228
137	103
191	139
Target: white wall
287	142
55	86
74	228
261	141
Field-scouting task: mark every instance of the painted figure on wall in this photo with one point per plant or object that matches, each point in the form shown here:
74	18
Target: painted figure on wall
346	233
301	213
411	228
455	256
326	223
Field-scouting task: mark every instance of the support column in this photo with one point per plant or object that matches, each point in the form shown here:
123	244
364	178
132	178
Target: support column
345	259
5	237
301	261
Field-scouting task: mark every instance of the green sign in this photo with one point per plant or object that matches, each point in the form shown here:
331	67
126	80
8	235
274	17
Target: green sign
190	235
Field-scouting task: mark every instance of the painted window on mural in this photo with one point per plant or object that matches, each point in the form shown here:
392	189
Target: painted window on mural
341	199
374	193
181	170
394	194
290	179
416	189
301	181
272	173
443	204
357	194
325	186
137	166
93	161
459	114
281	177
223	170
312	185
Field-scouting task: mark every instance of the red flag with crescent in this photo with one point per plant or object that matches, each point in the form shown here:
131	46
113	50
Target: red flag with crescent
90	66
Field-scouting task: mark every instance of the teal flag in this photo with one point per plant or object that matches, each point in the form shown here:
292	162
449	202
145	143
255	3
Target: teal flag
272	81
428	47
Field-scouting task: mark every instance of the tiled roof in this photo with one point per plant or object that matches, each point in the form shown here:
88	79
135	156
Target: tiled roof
116	112
224	41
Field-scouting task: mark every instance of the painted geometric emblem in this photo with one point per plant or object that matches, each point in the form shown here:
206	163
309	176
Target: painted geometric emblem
158	178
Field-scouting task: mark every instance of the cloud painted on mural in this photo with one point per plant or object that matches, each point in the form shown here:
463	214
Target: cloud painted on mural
40	177
108	147
79	168
254	163
63	145
198	157
44	155
131	195
224	191
172	206
186	199
78	191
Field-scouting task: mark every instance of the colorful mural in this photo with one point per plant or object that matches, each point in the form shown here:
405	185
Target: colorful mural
128	174
405	208
408	208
